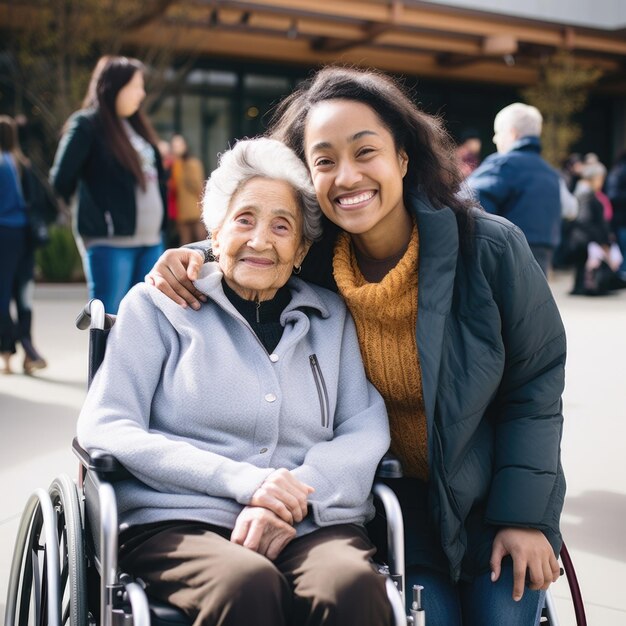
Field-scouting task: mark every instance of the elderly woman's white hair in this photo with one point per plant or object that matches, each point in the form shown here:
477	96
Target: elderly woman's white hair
265	158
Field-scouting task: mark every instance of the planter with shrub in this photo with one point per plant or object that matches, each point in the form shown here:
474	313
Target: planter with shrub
59	260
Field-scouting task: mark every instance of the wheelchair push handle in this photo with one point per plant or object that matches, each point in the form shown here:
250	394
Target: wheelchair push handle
94	316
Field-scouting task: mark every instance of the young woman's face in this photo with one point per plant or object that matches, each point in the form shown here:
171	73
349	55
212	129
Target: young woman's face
261	239
130	96
355	166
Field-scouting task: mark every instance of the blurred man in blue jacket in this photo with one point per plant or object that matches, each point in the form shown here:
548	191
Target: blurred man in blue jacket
518	184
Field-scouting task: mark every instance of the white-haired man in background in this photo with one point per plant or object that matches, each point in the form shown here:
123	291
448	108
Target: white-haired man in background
517	183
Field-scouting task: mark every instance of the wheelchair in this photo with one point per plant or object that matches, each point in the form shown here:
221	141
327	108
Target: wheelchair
64	569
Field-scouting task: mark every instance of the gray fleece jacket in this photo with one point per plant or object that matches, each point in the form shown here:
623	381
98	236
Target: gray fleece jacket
191	403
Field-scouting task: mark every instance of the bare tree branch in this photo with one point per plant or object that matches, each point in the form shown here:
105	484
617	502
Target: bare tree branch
149	12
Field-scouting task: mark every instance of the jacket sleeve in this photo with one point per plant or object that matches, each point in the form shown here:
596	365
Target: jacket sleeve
490	186
528	485
342	470
116	415
73	150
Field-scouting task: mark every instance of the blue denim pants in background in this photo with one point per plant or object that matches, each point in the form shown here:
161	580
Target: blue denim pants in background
111	272
479	603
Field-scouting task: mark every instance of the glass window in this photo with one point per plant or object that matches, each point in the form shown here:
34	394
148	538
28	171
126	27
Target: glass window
217	129
215	78
163	118
191	122
259	82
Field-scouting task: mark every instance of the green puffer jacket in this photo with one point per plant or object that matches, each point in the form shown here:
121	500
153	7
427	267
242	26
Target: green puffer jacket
492	350
492	354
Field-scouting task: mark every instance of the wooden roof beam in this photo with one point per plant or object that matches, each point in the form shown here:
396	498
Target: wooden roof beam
331	44
435	19
492	46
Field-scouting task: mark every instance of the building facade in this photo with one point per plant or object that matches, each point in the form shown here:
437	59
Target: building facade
463	59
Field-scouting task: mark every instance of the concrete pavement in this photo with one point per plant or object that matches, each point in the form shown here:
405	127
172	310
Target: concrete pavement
38	414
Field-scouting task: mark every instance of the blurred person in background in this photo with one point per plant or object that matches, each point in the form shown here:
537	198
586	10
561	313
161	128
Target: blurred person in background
570	170
21	230
517	183
468	151
616	191
187	182
597	184
167	159
108	157
590	241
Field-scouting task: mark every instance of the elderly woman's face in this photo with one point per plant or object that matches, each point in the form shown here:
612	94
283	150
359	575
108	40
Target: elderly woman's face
261	239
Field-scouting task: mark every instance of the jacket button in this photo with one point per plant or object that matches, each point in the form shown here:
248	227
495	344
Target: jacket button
270	397
262	450
273	358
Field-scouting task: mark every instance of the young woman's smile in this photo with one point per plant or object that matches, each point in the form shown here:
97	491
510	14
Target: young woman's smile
357	171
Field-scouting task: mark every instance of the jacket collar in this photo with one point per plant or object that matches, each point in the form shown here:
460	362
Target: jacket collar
439	249
528	144
303	296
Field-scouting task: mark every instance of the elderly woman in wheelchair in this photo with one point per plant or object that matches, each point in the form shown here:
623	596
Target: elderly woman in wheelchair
250	429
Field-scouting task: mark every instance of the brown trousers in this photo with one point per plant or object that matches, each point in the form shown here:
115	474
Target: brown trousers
325	577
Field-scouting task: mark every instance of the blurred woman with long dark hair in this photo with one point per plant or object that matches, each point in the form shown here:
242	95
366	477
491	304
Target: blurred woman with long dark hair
109	159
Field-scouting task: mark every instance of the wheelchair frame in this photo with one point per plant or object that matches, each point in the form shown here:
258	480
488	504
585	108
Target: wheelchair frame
64	531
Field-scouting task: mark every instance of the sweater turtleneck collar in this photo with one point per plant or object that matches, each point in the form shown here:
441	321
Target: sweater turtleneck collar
384	299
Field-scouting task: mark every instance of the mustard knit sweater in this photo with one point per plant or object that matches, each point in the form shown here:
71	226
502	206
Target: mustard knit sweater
385	315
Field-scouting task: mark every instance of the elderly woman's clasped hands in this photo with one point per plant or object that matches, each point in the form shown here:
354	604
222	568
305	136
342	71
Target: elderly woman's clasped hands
267	524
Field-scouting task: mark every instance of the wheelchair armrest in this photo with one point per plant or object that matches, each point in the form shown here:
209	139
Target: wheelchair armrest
389	467
104	464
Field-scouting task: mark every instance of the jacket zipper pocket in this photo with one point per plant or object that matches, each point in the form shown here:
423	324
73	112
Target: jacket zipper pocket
109	222
321	390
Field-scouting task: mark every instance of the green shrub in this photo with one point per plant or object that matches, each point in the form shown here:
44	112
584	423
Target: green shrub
59	260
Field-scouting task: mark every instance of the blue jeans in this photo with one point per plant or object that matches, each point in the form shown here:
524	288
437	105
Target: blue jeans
477	603
111	272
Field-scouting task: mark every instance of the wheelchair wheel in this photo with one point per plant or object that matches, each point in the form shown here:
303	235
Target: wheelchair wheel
47	580
64	496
